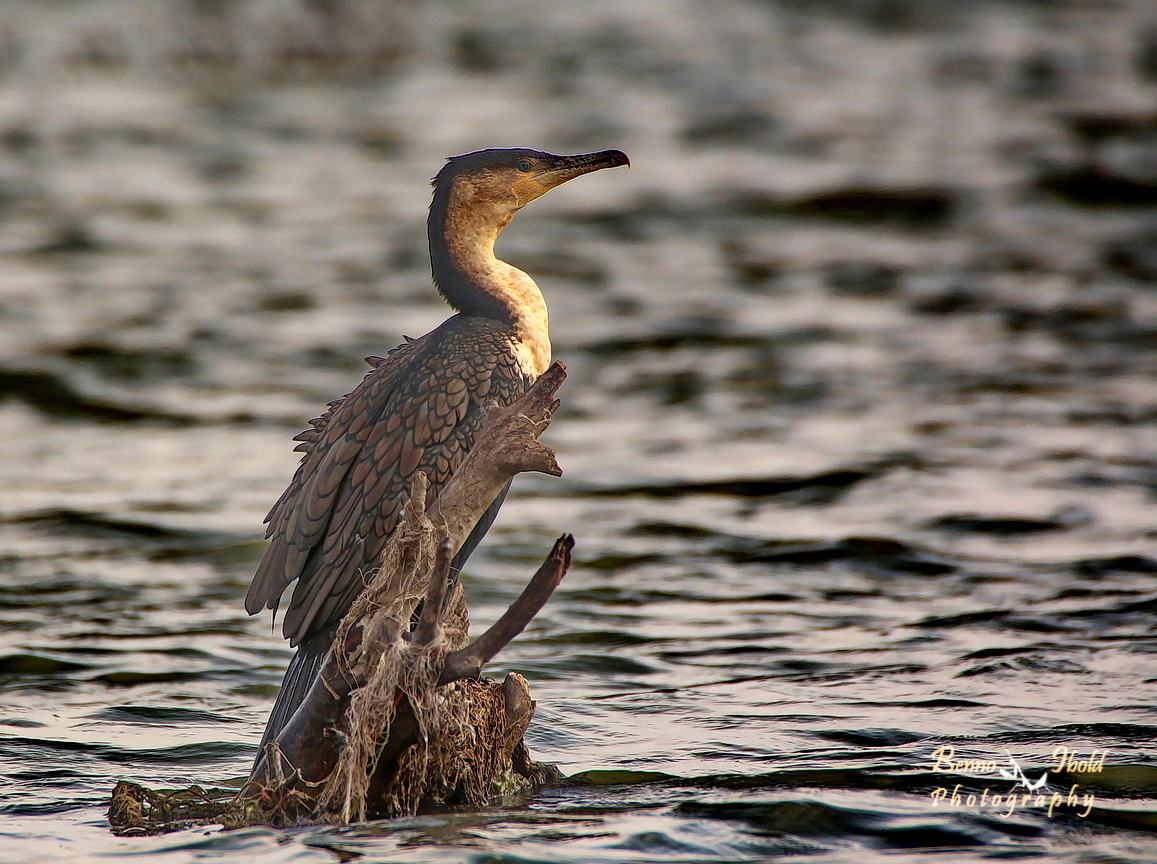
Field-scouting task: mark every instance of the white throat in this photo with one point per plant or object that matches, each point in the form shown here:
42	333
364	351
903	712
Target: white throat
471	238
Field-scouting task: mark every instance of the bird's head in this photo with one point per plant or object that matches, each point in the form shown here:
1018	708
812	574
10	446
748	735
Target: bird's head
505	181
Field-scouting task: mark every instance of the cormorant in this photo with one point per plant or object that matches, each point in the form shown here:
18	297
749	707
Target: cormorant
416	410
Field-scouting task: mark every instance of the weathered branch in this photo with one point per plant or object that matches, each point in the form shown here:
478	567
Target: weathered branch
507	445
433	607
468	662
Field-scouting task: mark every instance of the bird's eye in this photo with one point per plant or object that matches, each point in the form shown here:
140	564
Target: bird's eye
523	165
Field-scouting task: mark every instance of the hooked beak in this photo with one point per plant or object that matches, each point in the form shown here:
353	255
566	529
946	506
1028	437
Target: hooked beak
569	167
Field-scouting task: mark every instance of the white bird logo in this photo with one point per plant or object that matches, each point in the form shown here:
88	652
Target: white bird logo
1015	773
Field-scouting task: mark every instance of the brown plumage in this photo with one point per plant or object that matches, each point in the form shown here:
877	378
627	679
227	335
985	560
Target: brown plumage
413	412
418	409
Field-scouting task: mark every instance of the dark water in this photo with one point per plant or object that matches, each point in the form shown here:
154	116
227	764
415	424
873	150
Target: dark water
860	437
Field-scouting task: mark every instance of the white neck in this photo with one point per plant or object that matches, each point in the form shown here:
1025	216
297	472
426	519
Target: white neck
470	237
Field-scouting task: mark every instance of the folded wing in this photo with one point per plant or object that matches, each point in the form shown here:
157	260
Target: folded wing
418	409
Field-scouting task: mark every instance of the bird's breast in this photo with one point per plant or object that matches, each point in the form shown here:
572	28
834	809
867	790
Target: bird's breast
532	351
531	323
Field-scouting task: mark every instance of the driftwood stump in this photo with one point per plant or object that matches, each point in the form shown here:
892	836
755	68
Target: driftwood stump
398	717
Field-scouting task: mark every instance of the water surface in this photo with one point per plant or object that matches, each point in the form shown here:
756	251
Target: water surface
859	435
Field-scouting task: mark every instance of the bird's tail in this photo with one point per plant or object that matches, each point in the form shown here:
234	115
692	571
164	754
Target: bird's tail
296	683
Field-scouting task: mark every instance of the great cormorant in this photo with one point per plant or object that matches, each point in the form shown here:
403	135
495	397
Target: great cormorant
416	410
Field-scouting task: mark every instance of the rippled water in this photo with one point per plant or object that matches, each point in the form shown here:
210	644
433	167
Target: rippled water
860	436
